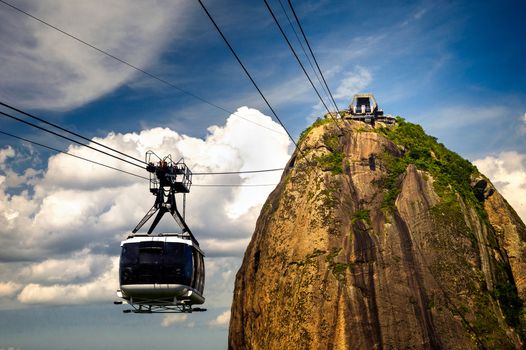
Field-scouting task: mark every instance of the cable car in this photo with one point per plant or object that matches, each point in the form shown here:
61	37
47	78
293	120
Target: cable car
163	272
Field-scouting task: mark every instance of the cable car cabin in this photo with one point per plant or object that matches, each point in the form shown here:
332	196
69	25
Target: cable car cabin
161	271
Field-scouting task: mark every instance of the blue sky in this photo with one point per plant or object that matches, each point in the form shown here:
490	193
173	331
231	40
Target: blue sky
455	67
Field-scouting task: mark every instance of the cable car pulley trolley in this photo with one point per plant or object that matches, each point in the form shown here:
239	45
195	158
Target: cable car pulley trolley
163	272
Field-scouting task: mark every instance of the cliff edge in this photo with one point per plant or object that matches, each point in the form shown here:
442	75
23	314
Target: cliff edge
381	238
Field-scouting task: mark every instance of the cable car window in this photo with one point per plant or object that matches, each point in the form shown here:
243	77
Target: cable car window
193	280
174	253
150	253
177	264
201	274
197	269
188	265
363	101
129	254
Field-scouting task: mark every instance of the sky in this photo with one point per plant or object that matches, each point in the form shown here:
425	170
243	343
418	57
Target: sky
455	67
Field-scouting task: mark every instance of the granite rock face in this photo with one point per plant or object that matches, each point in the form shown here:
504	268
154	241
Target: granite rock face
341	258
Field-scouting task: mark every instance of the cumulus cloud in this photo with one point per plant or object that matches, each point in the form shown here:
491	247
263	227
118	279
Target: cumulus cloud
82	266
28	177
8	289
219	289
102	288
353	82
507	171
59	239
5	153
61	73
226	247
221	321
172	319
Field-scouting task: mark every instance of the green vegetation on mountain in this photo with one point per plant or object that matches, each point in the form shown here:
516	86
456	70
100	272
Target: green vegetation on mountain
362	215
317	122
333	160
451	172
452	175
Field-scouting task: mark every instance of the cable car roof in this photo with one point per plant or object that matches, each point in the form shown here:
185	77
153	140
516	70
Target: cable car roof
162	237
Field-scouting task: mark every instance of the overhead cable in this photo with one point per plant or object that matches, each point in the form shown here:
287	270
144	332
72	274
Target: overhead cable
66	138
150	75
235	185
68	131
248	74
299	62
100	144
124	171
238	172
71	155
312	53
83	144
304	50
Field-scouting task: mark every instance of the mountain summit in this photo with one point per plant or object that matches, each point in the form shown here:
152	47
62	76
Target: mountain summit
379	237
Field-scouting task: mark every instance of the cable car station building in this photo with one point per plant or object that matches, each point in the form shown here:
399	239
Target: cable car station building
364	108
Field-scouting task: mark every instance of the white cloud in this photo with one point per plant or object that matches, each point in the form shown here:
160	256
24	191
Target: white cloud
82	266
47	69
5	153
362	47
420	13
59	238
225	247
221	321
103	288
14	180
8	289
219	286
354	81
172	319
507	171
415	16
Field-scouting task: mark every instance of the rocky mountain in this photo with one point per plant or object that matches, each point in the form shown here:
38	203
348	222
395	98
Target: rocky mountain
378	237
